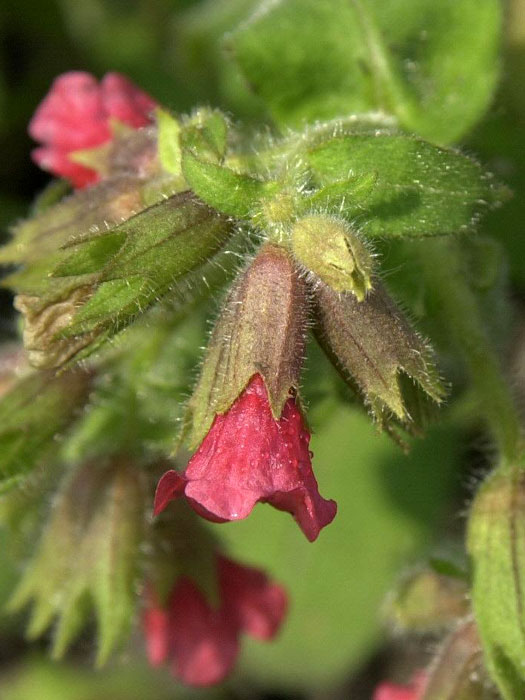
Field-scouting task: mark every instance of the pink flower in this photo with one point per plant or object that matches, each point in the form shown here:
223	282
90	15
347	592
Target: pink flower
200	641
246	457
391	691
76	115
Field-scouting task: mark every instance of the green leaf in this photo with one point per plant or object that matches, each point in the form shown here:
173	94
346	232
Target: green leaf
433	65
32	414
419	189
333	623
229	192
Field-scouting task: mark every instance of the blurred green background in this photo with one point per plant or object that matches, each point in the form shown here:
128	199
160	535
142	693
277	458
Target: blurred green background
393	510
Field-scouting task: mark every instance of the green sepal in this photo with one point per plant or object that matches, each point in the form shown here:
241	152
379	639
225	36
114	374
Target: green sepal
373	346
261	330
91	256
331	249
425	601
88	557
181	545
111	278
206	133
495	542
33	413
227	191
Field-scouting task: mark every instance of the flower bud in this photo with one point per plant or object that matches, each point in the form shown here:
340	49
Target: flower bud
427	601
261	330
373	346
458	672
332	250
80	290
496	543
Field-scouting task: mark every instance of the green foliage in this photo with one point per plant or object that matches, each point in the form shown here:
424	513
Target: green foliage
419	189
33	413
433	65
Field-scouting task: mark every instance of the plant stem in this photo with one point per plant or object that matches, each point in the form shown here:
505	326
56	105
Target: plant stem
444	273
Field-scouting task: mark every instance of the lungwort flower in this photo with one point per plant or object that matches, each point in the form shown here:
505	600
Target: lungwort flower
79	114
201	641
248	456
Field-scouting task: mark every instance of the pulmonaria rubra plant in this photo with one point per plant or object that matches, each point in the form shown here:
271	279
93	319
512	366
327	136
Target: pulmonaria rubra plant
296	236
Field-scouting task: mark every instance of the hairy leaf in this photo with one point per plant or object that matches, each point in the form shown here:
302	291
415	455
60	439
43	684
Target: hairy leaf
433	65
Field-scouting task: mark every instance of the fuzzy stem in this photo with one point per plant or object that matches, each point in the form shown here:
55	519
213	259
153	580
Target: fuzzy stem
442	266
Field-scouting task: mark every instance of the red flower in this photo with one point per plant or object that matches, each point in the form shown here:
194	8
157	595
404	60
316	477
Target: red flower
201	641
391	691
248	456
76	114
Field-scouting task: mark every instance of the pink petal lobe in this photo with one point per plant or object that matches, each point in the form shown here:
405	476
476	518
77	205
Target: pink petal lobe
248	456
58	163
124	101
156	630
170	486
204	641
258	604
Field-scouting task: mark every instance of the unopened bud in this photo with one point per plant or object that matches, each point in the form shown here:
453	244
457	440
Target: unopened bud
43	325
331	249
458	672
427	601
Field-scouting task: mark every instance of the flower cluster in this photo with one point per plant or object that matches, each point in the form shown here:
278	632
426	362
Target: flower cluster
200	641
244	421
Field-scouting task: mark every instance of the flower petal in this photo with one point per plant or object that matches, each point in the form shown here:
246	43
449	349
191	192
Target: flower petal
258	604
248	456
204	642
